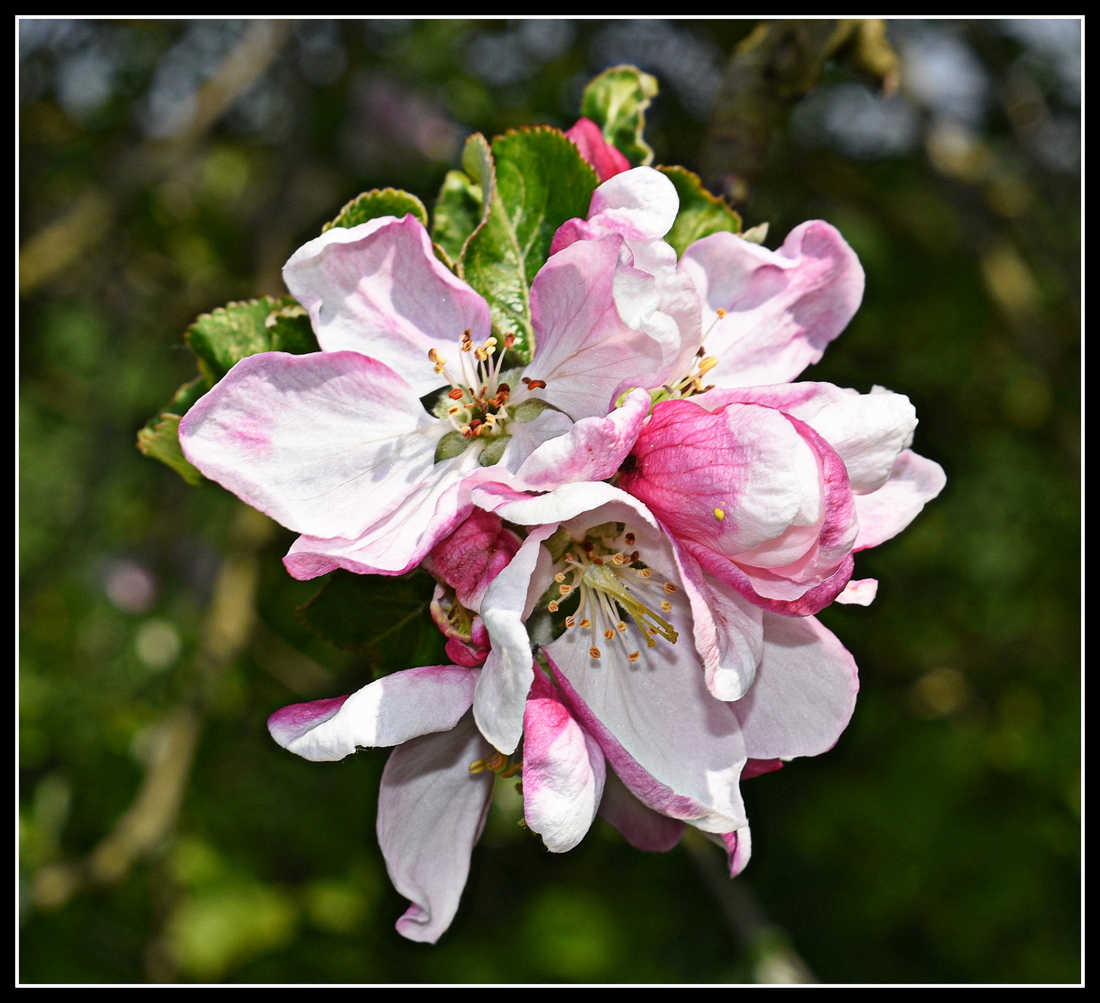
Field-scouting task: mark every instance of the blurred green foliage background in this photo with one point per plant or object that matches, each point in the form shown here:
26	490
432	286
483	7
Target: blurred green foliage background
169	166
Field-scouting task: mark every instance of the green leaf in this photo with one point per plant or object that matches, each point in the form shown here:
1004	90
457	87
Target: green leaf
387	619
616	101
701	213
530	409
379	202
160	439
541	181
222	338
457	213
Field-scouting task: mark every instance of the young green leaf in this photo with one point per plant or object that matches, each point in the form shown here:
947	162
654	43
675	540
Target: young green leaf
379	202
701	213
616	101
160	440
541	181
222	338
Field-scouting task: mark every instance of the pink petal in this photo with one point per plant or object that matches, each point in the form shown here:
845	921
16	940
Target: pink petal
389	711
739	846
563	770
676	748
378	289
585	353
884	513
431	811
804	692
782	307
866	430
400	540
501	694
642	827
326	443
473	555
604	157
592	449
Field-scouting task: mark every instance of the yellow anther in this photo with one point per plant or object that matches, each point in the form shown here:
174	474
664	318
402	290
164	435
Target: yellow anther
586	623
608	634
669	588
620	627
719	514
571	621
634	656
565	589
721	313
645	572
594	652
478	766
559	577
707	364
666	606
553	605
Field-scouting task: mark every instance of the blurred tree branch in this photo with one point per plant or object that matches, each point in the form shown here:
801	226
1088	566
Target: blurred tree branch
770	72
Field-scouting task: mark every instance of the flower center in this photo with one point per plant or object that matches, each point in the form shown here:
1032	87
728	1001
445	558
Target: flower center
477	403
480	405
610	584
692	382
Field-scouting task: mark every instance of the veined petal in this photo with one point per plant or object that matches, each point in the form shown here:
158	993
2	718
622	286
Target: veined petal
884	513
642	827
592	449
401	539
388	711
378	289
563	770
506	678
431	810
307	438
781	307
585	353
804	692
676	748
866	430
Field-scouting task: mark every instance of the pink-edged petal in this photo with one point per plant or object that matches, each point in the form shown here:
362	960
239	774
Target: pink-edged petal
592	449
729	631
812	601
506	679
782	307
378	289
804	692
884	513
676	748
388	711
473	555
604	157
642	827
431	810
585	352
400	540
324	443
640	204
563	770
866	430
739	847
861	593
758	767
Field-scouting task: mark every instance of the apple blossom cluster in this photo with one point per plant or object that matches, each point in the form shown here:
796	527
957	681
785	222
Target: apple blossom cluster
631	525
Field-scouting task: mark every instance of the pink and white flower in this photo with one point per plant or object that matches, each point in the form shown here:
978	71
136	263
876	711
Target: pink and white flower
337	445
772	489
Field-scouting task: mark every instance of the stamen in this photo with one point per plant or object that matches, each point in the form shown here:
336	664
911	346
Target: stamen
594	652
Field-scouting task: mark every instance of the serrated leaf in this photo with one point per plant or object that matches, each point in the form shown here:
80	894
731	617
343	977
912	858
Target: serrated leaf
388	619
541	181
160	439
379	202
616	101
222	338
701	213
